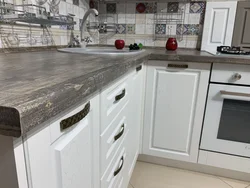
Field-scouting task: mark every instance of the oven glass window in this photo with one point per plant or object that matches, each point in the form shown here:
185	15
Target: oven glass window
235	121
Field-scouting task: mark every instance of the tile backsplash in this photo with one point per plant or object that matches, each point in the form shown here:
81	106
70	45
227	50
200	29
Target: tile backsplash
135	23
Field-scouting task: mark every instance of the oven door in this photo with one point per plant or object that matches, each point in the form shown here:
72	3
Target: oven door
226	126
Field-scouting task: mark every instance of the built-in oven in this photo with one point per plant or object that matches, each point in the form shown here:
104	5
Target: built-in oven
226	127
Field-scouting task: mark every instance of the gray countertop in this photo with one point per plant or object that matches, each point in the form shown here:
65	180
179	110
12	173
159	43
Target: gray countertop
40	85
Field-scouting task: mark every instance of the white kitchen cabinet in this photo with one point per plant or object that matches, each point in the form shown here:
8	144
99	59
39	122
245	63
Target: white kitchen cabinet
70	161
174	107
218	25
135	116
122	119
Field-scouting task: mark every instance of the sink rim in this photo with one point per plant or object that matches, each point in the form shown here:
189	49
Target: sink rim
99	51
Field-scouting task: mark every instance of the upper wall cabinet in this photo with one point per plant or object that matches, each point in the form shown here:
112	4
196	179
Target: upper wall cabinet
174	108
241	35
219	24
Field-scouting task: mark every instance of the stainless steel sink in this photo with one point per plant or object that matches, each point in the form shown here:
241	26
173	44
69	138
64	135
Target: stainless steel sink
100	50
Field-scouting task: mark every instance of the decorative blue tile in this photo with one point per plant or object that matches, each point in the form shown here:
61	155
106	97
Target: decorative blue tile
121	28
188	29
111	8
151	8
173	7
193	29
181	29
160	29
130	29
197	7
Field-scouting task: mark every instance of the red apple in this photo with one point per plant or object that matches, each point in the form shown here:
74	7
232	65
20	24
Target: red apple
119	44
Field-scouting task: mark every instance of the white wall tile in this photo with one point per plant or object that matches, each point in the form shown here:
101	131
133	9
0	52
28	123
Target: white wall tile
138	41
140	29
69	8
130	41
149	42
130	18
160	43
120	8
122	18
149	29
102	8
140	19
150	18
69	1
81	13
194	18
130	8
76	11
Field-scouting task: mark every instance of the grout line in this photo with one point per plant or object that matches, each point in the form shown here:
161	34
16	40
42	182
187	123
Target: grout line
224	181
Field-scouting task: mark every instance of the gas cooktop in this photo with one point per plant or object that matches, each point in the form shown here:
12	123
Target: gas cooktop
232	50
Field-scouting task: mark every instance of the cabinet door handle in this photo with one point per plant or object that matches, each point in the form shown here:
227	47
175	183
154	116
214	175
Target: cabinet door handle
70	121
138	68
182	66
120	168
120	96
116	137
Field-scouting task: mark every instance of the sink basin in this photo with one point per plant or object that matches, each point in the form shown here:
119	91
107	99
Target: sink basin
100	51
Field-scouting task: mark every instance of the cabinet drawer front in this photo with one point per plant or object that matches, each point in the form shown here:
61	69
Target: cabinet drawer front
113	100
113	137
116	170
231	73
56	129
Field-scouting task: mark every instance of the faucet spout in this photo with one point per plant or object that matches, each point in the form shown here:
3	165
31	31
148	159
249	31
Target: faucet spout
90	11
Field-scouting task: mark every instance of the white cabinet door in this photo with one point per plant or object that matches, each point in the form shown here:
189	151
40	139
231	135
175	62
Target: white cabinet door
72	157
218	25
174	108
70	161
135	118
135	112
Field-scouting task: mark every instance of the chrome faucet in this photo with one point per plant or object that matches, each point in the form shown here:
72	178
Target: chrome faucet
93	11
74	41
87	40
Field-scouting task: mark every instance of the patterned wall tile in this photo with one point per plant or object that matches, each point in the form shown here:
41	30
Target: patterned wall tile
173	7
193	29
76	2
146	7
188	29
197	7
160	29
121	28
151	7
181	29
130	28
111	8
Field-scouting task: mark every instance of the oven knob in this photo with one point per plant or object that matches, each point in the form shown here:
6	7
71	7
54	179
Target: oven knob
237	76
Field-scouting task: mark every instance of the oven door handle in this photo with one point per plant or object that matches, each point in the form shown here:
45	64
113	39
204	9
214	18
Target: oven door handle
235	95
